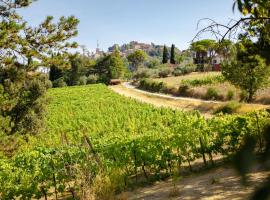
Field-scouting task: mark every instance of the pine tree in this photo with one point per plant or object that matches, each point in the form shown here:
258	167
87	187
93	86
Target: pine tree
165	55
172	60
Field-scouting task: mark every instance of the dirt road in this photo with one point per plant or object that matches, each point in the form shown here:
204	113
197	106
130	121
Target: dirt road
205	107
216	184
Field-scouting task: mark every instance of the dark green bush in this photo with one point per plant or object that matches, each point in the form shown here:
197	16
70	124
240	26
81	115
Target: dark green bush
184	90
58	83
230	95
211	94
228	108
152	86
92	79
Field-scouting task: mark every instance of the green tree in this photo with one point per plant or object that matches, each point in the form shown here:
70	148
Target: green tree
55	73
248	70
172	59
111	67
165	57
23	50
137	58
205	50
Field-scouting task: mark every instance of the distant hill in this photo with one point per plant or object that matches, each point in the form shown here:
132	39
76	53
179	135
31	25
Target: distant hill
152	49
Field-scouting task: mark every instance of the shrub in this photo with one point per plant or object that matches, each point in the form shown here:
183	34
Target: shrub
243	96
92	79
228	108
152	86
209	80
163	73
183	70
82	80
230	95
145	73
58	83
211	94
48	84
184	90
177	71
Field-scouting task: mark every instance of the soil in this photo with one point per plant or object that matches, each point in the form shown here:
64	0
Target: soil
219	183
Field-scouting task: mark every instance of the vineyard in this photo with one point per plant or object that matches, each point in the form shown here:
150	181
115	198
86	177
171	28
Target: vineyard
92	132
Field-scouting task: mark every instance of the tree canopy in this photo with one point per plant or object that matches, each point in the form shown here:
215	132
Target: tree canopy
136	58
23	50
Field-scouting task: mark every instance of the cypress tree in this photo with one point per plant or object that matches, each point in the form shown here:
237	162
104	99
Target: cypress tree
165	55
172	60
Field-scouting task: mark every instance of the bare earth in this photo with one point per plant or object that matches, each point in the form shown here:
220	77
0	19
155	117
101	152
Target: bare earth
220	183
160	100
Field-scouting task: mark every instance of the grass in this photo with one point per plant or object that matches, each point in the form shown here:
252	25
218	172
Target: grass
176	81
198	85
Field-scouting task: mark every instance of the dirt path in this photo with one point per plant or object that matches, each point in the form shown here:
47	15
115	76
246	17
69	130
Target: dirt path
161	100
220	183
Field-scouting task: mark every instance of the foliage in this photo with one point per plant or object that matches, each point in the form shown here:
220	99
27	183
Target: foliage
23	101
137	58
164	72
205	50
248	71
212	94
128	139
230	95
153	86
183	70
208	80
145	73
165	57
152	62
59	83
23	50
110	67
92	79
228	108
172	58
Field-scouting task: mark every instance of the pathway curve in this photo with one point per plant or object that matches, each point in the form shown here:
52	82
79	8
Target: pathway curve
161	100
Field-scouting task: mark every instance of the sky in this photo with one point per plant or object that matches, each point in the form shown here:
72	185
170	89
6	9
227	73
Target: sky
121	21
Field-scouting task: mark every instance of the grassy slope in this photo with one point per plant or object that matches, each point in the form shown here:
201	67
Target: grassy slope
262	96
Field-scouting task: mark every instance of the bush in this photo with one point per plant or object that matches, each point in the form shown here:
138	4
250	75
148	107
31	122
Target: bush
58	83
48	84
183	70
92	79
177	71
151	86
228	108
243	96
145	73
184	90
230	95
211	94
209	80
163	73
82	80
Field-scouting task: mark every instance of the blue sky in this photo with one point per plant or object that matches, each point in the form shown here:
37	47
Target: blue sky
121	21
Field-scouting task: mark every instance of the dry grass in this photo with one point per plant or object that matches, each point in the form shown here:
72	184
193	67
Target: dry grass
262	96
207	108
175	81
